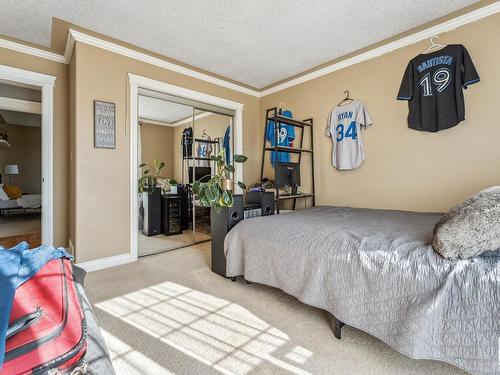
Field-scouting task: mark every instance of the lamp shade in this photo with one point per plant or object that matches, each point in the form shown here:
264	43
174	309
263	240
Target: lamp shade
11	169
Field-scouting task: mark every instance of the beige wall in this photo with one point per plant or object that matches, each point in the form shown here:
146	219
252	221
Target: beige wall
26	152
102	199
61	148
158	142
406	169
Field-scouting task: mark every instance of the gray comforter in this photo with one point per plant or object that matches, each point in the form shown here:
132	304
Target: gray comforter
375	270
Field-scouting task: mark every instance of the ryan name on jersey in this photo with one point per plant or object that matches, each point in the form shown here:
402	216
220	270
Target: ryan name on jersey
344	115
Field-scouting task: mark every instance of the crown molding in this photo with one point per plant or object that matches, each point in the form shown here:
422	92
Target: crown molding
74	36
452	24
23	48
189	119
136	55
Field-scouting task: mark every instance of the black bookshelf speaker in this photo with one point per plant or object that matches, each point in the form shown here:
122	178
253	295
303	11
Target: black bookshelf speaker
221	223
265	199
152	213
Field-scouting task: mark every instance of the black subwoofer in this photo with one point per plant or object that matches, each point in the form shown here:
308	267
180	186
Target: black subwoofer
221	224
264	199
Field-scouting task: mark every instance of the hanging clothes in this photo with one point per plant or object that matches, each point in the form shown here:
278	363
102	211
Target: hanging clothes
187	142
286	137
204	150
226	144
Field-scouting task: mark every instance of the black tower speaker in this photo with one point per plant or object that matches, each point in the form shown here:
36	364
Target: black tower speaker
264	199
183	193
152	213
221	224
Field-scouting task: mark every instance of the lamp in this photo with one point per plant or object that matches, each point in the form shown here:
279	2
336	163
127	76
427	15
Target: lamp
11	170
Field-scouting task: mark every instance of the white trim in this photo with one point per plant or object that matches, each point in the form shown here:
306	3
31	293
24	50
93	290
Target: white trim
10	73
145	120
46	83
19	105
47	165
74	35
452	24
136	55
135	82
187	120
23	48
103	263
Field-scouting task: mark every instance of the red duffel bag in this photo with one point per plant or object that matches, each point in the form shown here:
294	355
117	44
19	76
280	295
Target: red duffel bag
47	330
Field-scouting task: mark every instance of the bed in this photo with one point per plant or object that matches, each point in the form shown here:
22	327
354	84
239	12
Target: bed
27	201
375	270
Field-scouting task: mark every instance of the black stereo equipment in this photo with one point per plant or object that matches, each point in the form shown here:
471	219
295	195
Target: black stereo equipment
264	199
221	224
151	202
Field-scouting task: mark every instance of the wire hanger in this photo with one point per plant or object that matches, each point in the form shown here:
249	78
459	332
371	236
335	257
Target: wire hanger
433	44
347	97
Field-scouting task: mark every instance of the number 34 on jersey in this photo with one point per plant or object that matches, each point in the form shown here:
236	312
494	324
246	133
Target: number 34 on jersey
344	128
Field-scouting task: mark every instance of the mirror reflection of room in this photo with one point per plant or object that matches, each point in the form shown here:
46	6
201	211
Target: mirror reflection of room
175	146
20	165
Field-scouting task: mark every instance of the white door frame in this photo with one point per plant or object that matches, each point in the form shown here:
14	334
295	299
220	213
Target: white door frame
136	82
46	84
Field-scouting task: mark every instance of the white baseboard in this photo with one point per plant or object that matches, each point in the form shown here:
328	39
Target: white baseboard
103	263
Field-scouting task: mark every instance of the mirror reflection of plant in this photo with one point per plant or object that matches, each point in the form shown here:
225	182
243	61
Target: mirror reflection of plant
213	193
151	174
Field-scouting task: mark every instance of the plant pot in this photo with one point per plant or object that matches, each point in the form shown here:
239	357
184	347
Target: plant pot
228	184
173	189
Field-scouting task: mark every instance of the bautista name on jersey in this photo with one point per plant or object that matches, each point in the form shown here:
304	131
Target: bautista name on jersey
432	84
344	126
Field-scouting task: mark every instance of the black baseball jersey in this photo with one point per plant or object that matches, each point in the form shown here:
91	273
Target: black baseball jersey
433	83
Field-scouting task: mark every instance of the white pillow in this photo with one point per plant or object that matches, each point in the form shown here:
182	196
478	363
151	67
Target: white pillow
3	194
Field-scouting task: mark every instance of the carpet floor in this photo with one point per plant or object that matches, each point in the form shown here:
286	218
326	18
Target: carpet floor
169	314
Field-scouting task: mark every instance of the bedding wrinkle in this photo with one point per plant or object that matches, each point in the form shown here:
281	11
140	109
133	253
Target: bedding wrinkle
376	271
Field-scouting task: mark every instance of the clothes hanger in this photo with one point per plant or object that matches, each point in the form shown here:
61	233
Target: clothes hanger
346	93
433	44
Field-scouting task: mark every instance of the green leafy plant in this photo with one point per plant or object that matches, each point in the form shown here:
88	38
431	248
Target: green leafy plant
149	180
214	193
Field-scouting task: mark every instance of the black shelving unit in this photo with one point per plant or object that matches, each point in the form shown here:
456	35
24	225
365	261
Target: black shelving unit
274	114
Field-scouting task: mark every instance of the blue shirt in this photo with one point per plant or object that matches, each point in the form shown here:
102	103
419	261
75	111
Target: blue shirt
286	137
226	145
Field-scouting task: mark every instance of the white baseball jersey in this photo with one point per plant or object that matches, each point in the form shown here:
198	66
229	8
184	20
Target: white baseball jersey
344	126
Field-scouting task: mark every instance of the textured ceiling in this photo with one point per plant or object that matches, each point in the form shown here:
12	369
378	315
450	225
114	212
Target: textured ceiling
257	42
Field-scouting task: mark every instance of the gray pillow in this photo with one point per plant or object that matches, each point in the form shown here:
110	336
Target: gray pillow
471	227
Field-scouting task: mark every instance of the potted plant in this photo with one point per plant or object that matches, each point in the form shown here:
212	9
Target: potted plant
151	197
217	191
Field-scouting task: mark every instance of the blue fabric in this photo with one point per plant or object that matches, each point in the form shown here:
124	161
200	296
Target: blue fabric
17	265
286	137
225	144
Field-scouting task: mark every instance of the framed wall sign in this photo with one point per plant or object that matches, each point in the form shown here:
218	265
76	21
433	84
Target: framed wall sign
104	124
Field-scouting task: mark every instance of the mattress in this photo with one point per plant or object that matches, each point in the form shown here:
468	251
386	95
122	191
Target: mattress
11	203
375	270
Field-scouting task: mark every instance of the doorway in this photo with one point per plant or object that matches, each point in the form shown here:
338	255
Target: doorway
26	157
179	130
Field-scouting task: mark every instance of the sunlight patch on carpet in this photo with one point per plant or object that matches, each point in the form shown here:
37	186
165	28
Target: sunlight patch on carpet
127	361
216	332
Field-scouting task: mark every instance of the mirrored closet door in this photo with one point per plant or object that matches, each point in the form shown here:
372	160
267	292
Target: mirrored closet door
177	139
